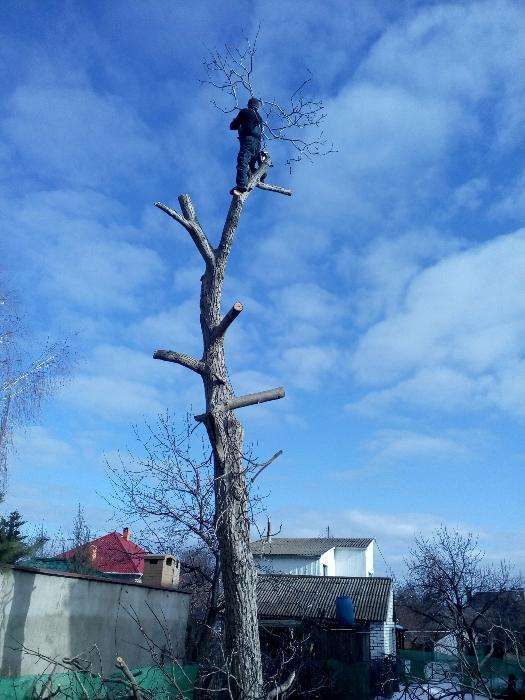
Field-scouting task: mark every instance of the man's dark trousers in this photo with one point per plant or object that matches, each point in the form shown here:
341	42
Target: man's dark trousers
248	160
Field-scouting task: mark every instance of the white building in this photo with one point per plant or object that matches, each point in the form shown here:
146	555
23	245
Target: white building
317	556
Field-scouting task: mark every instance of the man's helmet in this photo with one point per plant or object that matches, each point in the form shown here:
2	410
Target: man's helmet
254	103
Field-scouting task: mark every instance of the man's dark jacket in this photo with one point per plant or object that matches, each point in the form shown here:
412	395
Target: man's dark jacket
248	123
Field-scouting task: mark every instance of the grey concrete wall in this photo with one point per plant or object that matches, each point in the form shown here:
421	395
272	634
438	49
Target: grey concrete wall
65	616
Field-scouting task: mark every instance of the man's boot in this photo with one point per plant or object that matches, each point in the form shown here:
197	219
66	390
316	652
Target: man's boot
264	157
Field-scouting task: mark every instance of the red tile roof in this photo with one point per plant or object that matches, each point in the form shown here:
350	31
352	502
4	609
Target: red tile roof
114	554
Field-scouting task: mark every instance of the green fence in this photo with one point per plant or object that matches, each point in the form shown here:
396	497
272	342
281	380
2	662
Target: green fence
166	683
432	666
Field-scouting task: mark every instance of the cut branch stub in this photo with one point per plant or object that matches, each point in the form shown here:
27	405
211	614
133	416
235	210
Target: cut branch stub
180	359
274	188
247	400
227	320
187	207
253	399
132	681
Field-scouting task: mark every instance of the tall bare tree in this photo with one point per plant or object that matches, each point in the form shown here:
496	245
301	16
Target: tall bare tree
25	380
471	608
226	437
231	72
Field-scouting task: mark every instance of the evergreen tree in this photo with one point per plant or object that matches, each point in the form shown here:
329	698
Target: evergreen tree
12	543
81	536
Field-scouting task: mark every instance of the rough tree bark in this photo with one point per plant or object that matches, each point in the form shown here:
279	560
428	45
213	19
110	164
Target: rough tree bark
226	437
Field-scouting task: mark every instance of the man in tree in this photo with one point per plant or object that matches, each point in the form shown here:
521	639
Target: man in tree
248	123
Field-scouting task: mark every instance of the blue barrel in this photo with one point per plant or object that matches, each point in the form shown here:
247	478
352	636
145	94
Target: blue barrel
344	610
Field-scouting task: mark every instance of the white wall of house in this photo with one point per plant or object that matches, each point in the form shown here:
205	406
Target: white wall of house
369	559
383	634
350	562
339	561
354	562
66	615
288	565
328	563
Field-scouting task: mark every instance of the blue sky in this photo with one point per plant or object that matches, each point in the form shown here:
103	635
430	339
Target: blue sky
387	295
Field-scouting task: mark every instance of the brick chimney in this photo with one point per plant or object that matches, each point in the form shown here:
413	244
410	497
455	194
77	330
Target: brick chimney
161	570
91	554
126	534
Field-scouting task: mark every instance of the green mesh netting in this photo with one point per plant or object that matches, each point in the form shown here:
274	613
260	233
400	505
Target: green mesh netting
166	683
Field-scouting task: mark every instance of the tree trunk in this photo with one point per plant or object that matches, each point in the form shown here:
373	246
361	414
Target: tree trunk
225	432
231	497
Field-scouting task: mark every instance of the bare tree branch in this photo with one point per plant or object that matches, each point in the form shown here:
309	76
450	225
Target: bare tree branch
187	207
274	188
295	122
246	400
267	464
227	320
135	688
180	358
194	229
253	399
280	689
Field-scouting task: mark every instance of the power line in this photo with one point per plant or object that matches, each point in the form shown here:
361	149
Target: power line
389	569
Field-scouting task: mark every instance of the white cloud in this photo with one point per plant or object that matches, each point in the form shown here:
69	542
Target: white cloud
78	136
114	399
287	251
307	365
125	385
304	311
465	314
101	274
381	525
433	388
122	362
37	447
470	194
402	445
383	268
435	86
83	248
175	328
250	381
454	51
510	200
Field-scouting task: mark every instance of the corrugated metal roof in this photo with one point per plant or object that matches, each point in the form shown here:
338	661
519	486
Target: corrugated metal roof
306	546
281	596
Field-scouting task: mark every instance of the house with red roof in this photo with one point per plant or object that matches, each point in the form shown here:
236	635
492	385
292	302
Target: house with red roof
113	554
